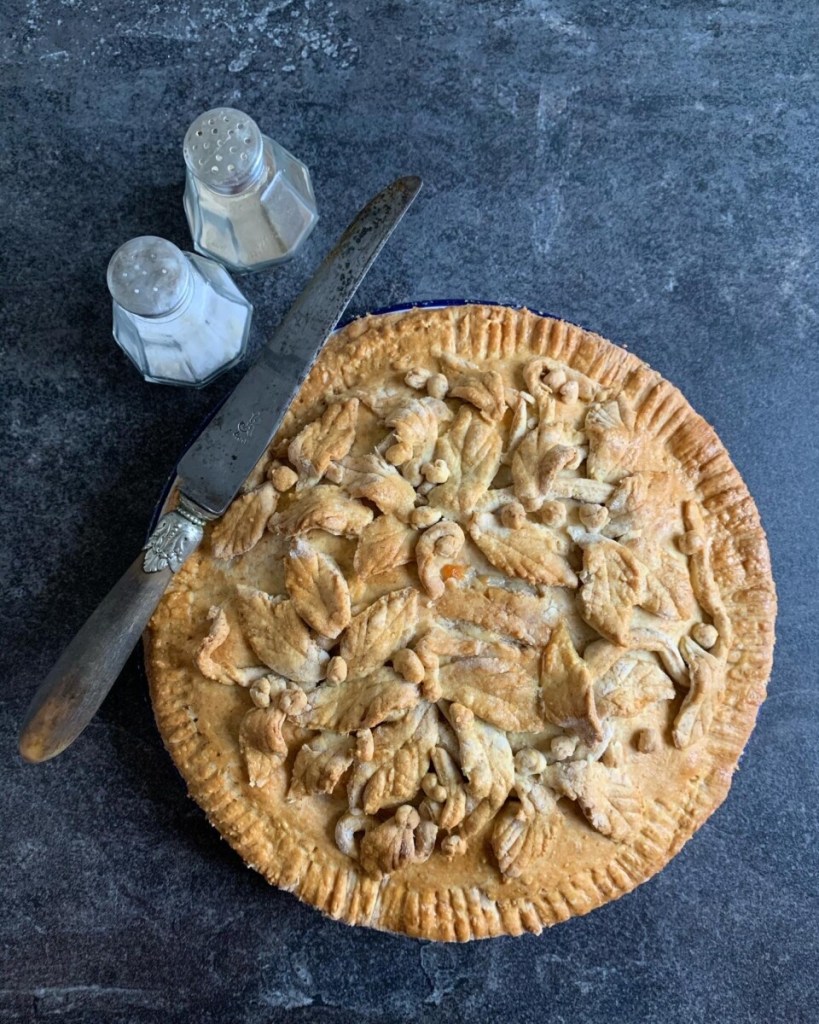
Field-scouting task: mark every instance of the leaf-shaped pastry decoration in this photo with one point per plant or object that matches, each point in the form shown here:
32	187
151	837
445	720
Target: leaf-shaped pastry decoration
521	616
323	441
324	507
383	545
415	423
519	840
372	477
380	630
530	552
242	526
641	501
613	583
401	756
403	839
224	657
485	391
535	467
612	447
496	687
487	763
667	590
317	589
707	675
471	449
359	703
631	685
320	764
566	693
261	743
630	510
279	637
606	796
645	508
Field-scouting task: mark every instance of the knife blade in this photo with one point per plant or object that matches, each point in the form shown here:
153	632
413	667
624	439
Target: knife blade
211	473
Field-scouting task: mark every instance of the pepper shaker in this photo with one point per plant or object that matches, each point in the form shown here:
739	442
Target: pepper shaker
177	316
249	202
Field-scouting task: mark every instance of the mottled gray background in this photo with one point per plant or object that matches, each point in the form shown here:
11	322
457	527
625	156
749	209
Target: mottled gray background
646	169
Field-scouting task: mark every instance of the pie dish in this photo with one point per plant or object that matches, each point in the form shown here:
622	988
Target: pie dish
480	644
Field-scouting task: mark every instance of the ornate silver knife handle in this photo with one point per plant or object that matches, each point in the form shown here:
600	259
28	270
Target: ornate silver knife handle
177	535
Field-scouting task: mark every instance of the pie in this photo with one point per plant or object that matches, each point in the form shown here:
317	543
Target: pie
481	642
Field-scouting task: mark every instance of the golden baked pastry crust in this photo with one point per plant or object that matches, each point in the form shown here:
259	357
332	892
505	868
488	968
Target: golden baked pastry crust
509	663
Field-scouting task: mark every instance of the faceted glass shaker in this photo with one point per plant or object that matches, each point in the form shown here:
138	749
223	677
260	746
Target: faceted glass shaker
178	317
249	202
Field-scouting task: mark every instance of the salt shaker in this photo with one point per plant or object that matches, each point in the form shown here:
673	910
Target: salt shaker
249	202
177	316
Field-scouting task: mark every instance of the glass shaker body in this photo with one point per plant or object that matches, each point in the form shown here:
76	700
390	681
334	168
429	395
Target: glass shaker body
177	316
249	202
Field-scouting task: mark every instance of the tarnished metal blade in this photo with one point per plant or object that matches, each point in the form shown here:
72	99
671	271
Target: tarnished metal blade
220	459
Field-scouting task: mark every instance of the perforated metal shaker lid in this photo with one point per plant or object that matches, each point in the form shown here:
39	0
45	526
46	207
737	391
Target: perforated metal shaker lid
148	276
224	149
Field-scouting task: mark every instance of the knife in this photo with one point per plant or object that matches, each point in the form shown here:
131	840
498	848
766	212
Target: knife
209	477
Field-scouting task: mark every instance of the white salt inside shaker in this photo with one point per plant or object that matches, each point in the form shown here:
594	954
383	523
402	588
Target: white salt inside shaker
177	316
249	202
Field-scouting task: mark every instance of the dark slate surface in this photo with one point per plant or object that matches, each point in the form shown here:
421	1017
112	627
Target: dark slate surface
645	169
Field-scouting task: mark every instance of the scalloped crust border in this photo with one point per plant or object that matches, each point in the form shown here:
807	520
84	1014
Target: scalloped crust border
743	575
